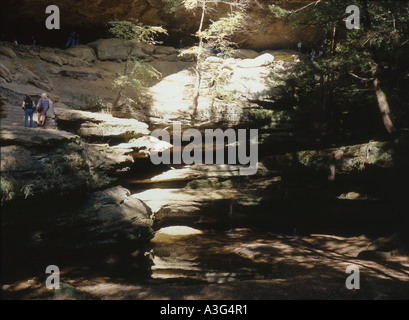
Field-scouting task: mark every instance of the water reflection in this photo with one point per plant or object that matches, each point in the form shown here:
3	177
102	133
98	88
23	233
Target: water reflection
209	256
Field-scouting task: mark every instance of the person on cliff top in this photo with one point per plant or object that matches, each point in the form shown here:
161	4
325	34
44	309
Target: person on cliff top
299	45
42	107
28	107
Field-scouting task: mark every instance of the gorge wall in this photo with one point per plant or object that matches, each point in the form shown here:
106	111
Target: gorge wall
24	19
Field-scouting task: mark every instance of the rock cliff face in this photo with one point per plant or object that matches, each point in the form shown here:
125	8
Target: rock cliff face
89	18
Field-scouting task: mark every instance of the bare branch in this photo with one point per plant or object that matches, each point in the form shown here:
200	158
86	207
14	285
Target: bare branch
360	78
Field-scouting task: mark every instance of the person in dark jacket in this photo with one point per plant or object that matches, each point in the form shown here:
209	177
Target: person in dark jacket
28	107
71	40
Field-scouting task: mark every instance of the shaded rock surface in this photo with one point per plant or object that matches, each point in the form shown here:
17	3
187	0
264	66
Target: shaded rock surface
38	161
66	292
109	216
338	161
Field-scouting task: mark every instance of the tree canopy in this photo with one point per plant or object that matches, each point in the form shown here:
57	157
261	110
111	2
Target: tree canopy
360	65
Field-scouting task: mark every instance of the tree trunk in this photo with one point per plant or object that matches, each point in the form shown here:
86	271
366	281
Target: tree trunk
117	98
333	41
384	107
380	94
196	92
328	103
121	88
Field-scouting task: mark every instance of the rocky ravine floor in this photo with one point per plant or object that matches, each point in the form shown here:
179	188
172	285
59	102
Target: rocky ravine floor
310	267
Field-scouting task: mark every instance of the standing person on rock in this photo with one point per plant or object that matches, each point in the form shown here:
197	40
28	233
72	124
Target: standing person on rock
299	45
180	44
313	54
28	107
42	108
71	40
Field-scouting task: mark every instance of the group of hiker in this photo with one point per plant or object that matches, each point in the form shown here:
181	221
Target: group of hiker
29	107
73	40
313	54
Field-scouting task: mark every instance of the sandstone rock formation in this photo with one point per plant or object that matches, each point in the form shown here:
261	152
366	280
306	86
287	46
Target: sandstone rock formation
113	49
90	17
112	215
240	82
102	125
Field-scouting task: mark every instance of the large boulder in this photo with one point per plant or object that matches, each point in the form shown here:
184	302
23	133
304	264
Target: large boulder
8	52
101	125
5	73
117	128
47	161
261	61
84	53
114	213
252	80
165	50
190	206
25	76
108	217
114	49
52	58
12	135
143	147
